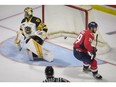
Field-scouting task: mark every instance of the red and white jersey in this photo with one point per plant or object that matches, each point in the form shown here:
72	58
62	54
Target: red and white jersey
84	40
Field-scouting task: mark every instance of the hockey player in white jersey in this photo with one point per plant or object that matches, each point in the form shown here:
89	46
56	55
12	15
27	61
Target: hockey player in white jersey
33	32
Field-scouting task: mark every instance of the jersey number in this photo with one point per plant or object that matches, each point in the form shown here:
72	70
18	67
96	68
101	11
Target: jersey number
79	38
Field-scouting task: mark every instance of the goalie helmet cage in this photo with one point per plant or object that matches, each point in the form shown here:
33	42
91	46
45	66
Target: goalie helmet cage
69	20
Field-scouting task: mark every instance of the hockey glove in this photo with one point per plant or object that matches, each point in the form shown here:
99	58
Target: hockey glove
93	54
94	49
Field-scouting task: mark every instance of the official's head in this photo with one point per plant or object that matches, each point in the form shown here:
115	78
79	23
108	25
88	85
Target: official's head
93	26
28	12
49	71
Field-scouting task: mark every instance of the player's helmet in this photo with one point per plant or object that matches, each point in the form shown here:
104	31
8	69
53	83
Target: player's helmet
92	25
49	70
28	11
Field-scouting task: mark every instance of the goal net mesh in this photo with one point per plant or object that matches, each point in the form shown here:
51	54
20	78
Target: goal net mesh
67	21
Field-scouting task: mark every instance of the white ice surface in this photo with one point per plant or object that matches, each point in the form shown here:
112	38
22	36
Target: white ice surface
11	71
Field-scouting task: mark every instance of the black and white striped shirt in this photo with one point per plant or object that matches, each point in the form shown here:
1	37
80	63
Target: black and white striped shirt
53	79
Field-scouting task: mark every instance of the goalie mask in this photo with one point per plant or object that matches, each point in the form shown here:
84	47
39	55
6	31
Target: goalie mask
28	12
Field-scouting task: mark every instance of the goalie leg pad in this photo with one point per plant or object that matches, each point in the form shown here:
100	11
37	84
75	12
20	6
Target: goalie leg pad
38	48
29	53
47	55
35	47
41	52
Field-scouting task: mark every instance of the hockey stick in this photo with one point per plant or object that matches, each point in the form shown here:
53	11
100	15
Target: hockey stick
95	45
20	48
96	40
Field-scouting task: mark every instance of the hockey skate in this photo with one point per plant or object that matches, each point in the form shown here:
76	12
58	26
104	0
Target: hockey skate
97	76
86	69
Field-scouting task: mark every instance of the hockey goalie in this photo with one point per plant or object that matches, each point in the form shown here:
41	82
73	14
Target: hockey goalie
32	35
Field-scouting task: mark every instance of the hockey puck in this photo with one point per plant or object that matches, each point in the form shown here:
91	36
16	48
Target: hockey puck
65	37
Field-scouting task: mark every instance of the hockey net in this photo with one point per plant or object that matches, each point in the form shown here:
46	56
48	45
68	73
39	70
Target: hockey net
67	21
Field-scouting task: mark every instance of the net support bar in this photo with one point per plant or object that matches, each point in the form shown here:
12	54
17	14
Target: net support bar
81	9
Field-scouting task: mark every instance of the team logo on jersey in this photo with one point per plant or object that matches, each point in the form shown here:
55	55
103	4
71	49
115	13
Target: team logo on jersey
28	30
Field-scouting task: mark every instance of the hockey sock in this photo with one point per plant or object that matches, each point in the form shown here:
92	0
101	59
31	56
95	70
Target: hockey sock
94	66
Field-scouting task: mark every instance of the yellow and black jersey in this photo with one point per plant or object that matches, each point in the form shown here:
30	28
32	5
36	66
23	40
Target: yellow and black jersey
36	22
32	27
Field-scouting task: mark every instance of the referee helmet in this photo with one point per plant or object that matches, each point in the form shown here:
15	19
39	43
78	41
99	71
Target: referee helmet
49	70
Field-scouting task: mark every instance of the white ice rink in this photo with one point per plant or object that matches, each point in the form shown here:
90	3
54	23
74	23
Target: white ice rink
11	71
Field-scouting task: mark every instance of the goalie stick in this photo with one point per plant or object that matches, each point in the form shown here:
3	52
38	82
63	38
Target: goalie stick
19	46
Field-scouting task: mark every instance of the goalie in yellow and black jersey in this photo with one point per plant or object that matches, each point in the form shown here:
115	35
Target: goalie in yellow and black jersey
34	33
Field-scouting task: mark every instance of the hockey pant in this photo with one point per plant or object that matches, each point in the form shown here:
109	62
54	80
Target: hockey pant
86	59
